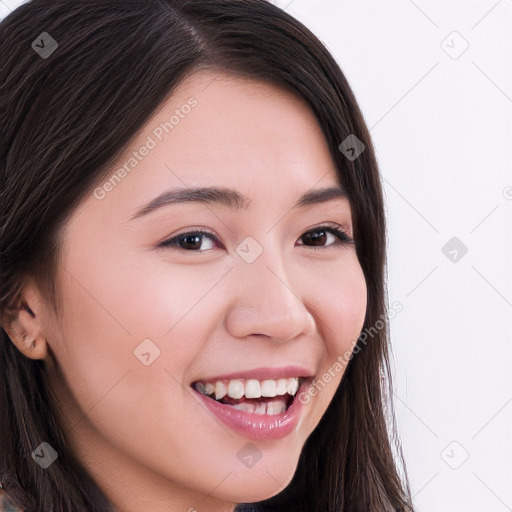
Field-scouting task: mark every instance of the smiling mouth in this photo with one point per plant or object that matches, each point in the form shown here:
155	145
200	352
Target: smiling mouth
270	397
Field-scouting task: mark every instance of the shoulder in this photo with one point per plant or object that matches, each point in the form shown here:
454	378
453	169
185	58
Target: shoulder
6	504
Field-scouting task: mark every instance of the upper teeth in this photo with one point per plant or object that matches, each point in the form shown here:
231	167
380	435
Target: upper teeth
250	388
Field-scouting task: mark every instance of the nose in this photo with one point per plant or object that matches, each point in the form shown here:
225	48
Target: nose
266	302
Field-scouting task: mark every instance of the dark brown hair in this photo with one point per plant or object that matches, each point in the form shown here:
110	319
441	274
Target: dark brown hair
66	118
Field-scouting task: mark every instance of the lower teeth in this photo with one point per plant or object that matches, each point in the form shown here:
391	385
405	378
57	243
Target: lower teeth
270	408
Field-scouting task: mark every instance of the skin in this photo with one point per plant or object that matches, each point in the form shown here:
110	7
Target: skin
139	430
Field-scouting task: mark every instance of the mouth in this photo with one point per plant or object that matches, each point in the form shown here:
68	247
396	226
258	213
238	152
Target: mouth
269	397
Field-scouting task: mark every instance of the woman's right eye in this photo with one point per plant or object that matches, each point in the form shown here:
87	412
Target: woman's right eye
190	241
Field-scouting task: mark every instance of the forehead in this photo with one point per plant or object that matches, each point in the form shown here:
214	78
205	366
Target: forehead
221	130
236	129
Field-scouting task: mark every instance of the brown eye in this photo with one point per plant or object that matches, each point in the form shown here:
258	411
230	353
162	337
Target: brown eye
319	236
316	237
190	241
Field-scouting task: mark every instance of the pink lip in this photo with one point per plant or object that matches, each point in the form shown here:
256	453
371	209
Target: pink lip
265	373
259	427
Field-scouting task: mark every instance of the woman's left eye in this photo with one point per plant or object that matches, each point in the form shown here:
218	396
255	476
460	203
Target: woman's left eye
343	238
192	240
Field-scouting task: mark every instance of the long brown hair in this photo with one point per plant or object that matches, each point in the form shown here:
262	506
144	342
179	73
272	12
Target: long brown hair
66	117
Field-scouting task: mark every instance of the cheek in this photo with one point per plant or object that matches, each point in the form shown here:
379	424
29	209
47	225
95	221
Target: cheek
343	307
123	313
112	317
105	336
339	307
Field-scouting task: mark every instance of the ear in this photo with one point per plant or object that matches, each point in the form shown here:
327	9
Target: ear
23	324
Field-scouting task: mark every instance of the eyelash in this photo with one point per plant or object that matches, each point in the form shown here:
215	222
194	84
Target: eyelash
343	238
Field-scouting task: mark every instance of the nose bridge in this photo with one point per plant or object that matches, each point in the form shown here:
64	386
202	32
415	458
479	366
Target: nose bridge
267	299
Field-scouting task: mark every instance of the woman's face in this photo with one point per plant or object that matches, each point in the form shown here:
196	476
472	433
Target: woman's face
255	298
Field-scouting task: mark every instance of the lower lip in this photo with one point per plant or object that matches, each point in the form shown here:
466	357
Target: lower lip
256	426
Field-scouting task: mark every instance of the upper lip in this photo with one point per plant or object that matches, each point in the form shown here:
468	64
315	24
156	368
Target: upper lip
262	373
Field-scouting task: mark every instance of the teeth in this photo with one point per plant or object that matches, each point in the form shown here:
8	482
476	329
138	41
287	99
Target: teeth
220	390
236	389
268	388
209	388
292	386
251	388
270	408
281	387
276	407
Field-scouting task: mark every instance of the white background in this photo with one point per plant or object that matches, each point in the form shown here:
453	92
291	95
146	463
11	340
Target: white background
441	122
442	128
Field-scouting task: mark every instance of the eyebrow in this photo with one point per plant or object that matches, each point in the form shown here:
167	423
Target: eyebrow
231	198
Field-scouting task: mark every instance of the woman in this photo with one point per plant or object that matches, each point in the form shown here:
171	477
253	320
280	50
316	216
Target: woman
192	245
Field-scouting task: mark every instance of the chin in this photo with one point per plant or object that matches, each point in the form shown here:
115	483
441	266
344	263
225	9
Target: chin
256	485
